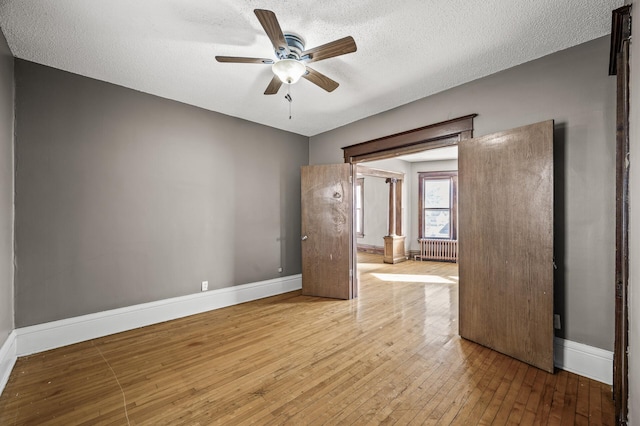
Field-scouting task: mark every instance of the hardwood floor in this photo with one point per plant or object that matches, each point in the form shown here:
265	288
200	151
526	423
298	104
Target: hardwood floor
392	356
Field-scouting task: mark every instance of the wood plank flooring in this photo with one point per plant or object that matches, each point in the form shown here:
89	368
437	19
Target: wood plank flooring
392	356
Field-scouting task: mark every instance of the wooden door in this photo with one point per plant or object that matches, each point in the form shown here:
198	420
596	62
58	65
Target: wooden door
327	219
506	242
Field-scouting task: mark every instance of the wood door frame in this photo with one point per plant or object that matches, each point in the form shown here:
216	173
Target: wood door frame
438	135
619	66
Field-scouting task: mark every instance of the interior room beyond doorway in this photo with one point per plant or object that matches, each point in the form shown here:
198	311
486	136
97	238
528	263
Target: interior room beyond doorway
411	209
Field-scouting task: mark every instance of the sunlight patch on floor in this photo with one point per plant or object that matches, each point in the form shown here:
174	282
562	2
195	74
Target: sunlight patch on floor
411	278
366	267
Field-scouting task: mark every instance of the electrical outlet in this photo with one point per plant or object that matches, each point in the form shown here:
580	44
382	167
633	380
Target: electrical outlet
280	269
205	285
556	322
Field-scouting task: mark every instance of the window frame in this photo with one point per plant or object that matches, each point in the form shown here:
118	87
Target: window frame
452	176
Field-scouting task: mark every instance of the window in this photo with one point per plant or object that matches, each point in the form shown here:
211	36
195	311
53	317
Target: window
438	202
360	207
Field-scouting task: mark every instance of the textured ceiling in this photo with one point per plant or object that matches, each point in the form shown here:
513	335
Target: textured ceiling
406	49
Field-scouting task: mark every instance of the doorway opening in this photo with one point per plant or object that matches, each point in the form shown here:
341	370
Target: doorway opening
395	155
421	220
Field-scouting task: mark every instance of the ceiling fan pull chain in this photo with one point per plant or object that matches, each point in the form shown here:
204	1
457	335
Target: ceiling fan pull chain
288	98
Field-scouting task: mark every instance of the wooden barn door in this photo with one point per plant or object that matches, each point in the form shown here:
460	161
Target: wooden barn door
506	242
327	219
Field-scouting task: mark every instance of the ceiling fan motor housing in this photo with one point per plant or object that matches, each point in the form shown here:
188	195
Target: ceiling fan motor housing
296	47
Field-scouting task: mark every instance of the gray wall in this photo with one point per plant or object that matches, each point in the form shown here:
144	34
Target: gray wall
124	198
573	88
6	190
634	237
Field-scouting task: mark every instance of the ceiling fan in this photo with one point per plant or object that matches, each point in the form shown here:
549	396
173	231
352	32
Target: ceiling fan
292	56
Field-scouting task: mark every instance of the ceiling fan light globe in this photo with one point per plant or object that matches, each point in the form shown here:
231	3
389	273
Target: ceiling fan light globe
289	71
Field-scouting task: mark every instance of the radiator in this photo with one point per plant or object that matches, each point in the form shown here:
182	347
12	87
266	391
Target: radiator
438	250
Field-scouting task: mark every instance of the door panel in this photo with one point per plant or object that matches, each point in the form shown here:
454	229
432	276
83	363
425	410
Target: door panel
327	218
506	242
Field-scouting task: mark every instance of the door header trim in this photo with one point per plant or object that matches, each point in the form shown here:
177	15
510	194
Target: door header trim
436	135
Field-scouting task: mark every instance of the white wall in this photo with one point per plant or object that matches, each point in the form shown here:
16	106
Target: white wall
376	211
399	166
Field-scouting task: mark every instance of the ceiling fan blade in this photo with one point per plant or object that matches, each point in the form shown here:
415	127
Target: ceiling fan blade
273	86
240	60
320	80
335	48
271	26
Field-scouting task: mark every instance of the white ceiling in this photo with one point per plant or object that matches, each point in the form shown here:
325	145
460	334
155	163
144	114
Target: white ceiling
406	50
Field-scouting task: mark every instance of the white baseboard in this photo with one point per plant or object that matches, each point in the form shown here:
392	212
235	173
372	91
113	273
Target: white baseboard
55	334
588	361
8	357
584	360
